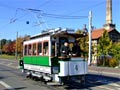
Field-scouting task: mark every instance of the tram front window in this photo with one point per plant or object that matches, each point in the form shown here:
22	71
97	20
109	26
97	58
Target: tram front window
72	49
76	50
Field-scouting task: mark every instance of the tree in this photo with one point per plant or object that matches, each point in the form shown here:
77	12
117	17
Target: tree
19	45
104	46
2	42
83	41
4	48
79	31
115	51
9	48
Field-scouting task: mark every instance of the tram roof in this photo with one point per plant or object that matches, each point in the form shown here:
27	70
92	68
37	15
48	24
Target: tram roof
57	32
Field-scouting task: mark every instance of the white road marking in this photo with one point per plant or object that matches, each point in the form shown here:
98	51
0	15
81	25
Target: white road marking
5	85
103	87
117	86
9	65
1	62
114	84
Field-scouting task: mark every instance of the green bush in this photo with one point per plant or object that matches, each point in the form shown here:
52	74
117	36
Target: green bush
108	62
113	62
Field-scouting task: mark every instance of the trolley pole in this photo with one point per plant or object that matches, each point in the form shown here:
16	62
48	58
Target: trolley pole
90	38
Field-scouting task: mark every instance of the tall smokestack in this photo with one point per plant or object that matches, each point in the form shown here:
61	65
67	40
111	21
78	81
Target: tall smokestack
109	24
109	12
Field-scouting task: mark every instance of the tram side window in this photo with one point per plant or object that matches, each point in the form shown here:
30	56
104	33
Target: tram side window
34	49
39	48
30	49
25	50
53	49
45	48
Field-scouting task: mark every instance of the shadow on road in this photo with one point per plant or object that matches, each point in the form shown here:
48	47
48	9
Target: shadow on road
4	77
19	88
91	80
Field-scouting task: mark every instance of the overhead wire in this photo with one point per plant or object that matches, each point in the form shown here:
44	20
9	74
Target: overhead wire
57	16
67	16
5	6
43	4
62	16
54	15
13	19
89	7
41	13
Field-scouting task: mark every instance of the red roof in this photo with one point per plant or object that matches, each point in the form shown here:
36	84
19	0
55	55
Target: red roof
97	33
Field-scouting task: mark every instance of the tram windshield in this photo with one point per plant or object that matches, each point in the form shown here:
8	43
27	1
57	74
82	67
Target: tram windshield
60	49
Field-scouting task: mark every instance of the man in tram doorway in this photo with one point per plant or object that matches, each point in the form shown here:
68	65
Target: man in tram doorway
65	50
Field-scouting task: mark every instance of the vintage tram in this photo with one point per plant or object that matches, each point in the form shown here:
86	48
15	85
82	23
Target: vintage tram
42	57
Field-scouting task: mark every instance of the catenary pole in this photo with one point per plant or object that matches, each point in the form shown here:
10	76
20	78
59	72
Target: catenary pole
90	38
1	47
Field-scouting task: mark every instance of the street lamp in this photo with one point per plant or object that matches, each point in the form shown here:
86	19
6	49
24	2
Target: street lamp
85	31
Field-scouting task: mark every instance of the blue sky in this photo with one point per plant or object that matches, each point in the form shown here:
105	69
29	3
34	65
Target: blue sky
15	13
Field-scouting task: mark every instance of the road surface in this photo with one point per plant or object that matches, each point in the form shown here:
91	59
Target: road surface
11	78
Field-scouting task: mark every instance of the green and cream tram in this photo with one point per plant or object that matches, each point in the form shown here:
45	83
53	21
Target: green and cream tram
42	57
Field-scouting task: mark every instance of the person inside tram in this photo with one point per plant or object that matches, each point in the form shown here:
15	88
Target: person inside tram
76	51
65	50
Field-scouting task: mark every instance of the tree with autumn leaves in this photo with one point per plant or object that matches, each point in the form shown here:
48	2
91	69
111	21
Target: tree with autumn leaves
9	47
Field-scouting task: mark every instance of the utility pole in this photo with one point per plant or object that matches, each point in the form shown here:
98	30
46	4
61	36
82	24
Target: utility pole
16	49
1	47
90	38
